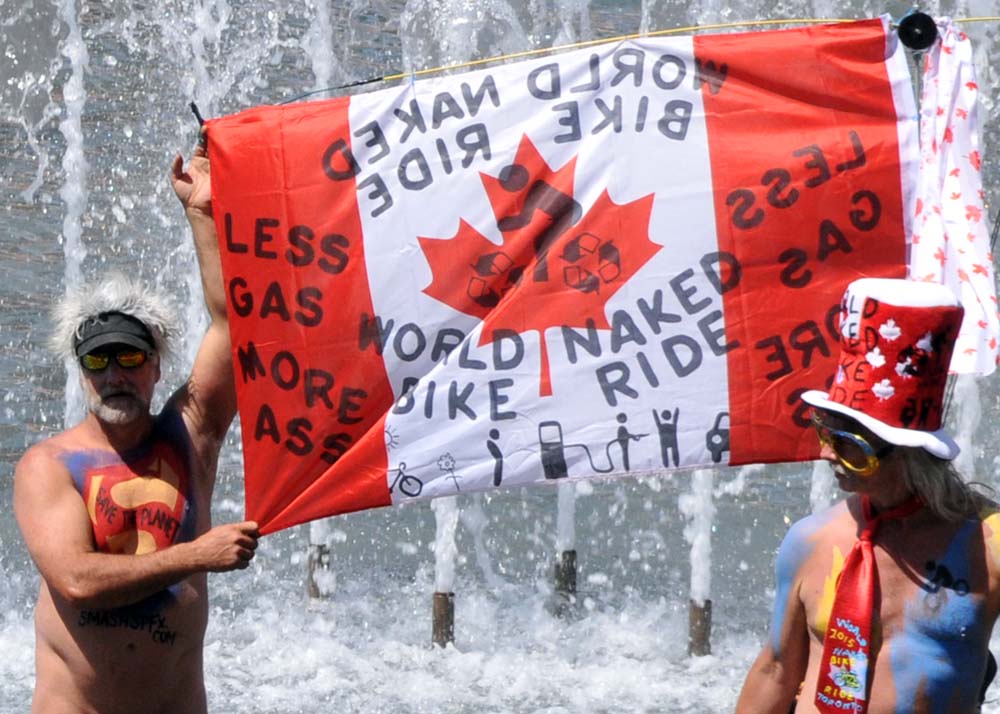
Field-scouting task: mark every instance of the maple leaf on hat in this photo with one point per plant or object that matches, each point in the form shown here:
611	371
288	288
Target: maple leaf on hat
875	358
884	389
889	330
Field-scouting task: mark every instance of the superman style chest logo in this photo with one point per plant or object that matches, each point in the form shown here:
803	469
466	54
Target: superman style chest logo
138	507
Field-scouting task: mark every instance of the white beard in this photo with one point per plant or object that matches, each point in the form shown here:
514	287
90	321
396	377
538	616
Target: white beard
122	411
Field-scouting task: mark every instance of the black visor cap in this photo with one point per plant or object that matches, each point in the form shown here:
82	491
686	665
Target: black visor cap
113	328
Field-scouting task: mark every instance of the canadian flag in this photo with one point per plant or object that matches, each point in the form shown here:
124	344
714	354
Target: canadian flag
618	260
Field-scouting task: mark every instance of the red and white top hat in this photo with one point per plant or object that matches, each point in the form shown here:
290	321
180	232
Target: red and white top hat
896	340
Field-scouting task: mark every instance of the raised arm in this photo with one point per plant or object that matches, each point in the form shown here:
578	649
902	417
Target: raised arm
208	400
79	575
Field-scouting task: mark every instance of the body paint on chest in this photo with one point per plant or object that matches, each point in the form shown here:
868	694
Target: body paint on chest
138	501
137	507
796	548
939	655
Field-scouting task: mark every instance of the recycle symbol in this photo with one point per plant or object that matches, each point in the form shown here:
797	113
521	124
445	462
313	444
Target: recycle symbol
486	268
592	260
555	264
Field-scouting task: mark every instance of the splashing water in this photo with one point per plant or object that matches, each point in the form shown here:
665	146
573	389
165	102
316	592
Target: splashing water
446	518
699	509
566	521
74	190
94	104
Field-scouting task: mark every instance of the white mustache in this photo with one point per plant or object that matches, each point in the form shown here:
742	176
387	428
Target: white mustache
118	392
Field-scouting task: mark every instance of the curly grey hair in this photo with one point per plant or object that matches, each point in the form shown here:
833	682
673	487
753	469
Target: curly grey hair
114	293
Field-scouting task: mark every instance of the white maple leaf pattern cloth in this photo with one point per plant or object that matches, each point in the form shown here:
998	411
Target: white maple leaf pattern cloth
951	242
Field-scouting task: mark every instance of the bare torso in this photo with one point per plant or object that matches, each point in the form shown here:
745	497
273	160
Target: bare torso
146	656
939	599
123	660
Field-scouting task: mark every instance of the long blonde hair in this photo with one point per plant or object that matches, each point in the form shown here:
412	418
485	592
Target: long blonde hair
941	487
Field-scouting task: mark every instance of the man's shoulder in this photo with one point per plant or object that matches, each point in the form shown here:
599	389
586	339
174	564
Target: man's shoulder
169	422
48	452
171	429
46	465
824	521
806	534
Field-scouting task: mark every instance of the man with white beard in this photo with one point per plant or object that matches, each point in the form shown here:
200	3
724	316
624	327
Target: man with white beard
115	510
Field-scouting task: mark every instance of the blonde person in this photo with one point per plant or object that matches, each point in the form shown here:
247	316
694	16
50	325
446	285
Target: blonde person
885	602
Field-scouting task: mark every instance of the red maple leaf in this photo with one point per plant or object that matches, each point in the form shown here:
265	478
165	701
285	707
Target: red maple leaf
555	265
975	160
962	113
971	85
973	213
939	256
948	136
978	269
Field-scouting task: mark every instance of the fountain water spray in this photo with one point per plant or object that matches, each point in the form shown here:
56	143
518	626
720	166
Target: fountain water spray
446	517
74	189
365	647
699	508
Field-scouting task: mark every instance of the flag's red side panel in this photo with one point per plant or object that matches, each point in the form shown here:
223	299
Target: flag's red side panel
310	387
806	176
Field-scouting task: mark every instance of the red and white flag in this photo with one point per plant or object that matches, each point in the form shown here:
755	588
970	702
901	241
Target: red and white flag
950	241
618	260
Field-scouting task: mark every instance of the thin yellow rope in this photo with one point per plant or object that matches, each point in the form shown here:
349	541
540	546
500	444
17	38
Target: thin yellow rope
620	38
638	35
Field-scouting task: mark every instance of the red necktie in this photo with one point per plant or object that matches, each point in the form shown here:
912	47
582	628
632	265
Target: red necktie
843	671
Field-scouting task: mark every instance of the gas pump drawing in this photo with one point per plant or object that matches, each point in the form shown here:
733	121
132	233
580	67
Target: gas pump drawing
550	438
553	449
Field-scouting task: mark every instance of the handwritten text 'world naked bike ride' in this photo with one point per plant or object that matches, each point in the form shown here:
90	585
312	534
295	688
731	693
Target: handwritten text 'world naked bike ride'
673	341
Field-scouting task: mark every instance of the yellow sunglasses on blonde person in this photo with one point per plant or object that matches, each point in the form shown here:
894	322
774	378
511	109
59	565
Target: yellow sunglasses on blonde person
852	450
